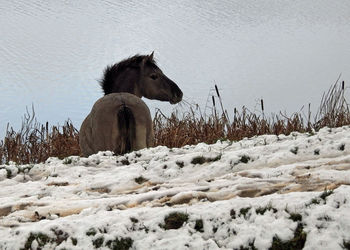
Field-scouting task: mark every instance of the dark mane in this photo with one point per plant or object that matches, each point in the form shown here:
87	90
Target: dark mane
111	72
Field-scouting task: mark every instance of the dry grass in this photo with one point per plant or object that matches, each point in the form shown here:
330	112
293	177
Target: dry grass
190	128
334	109
35	142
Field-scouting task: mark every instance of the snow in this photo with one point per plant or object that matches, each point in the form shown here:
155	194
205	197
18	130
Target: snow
245	194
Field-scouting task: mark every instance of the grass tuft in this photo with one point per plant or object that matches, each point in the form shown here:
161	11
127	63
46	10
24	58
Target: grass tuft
295	217
297	242
233	213
294	150
40	238
91	232
174	220
140	180
325	194
98	242
250	246
202	159
199	225
244	159
74	241
262	210
44	240
346	245
180	164
244	212
120	243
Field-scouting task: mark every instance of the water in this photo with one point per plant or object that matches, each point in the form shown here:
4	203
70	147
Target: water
287	52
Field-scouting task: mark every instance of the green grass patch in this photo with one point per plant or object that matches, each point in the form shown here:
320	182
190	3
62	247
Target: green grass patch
134	220
43	239
295	217
180	164
174	220
98	242
262	210
341	147
74	241
244	159
67	160
233	213
91	232
199	226
120	243
244	212
346	244
325	194
140	180
294	150
250	246
296	243
202	159
322	197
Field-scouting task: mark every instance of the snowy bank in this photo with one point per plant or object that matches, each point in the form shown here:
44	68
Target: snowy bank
268	191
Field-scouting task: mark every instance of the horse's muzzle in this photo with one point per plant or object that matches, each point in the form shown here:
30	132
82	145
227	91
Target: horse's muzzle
176	98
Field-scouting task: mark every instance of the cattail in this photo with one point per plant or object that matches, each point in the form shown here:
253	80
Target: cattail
262	105
217	90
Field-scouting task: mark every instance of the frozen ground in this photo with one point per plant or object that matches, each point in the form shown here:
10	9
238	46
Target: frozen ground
268	191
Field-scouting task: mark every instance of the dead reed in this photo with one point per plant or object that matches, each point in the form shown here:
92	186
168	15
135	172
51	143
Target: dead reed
334	109
192	127
189	129
35	142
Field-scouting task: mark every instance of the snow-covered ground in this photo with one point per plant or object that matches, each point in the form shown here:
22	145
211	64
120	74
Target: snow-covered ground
268	191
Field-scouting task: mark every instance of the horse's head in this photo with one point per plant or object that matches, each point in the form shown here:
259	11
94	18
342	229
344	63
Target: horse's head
139	75
155	85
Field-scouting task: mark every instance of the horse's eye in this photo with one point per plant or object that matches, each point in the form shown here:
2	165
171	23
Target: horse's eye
154	76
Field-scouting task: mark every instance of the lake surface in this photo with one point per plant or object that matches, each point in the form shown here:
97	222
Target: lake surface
287	52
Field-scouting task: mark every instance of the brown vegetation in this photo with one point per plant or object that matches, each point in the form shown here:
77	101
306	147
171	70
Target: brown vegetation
35	142
191	128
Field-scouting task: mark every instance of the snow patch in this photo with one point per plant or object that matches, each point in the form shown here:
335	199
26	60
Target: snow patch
258	192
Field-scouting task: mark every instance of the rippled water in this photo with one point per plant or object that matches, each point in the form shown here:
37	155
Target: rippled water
53	52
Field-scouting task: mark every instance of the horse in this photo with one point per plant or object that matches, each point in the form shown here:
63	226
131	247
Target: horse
120	121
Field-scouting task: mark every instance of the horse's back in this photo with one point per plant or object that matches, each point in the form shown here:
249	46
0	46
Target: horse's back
100	131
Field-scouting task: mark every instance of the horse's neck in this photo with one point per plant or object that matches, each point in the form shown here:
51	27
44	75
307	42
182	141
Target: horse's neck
129	84
137	92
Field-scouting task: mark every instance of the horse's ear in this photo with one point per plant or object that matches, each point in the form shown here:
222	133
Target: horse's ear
146	59
151	56
143	62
